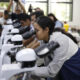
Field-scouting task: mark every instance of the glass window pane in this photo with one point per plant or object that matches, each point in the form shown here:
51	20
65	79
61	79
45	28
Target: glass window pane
61	0
4	5
62	11
43	6
35	0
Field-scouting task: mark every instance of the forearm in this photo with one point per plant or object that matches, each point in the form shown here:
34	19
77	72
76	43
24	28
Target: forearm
22	7
40	72
34	44
26	42
9	6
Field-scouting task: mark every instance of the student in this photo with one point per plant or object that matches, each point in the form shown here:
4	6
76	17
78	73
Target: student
65	59
58	24
19	8
5	19
25	21
35	15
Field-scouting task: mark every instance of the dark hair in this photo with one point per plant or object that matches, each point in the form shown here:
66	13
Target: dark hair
16	0
37	8
44	22
24	16
6	12
55	19
68	34
37	14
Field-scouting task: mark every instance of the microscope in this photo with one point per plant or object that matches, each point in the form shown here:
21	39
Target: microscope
9	70
8	33
13	47
14	44
27	61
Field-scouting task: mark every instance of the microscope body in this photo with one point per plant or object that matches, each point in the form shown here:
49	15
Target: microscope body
9	70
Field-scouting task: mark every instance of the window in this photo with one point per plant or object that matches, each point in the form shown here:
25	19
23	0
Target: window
37	3
3	6
62	9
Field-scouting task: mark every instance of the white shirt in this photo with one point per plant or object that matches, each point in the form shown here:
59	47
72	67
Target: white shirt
2	21
66	50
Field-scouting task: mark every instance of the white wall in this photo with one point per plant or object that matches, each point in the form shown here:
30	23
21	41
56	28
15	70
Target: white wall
76	13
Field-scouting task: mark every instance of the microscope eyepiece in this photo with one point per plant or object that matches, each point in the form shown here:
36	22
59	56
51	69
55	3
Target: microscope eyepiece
27	35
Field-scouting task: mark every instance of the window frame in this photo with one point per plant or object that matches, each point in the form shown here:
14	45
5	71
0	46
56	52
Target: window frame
67	2
47	5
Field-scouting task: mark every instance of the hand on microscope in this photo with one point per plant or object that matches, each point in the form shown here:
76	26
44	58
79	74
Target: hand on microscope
34	44
28	41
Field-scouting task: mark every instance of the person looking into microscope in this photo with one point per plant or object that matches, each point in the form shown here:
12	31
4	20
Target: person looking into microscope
25	21
65	60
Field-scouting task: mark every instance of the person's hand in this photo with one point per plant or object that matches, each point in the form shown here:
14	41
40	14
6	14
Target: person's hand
5	23
34	44
26	42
